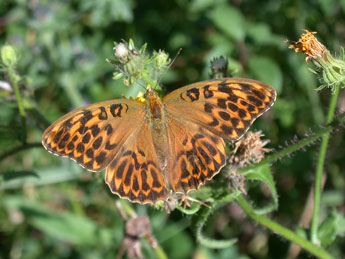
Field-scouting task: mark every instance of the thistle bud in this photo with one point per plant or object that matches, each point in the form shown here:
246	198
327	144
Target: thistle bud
219	67
161	60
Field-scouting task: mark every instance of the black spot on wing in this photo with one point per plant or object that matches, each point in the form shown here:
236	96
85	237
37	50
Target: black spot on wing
259	94
80	148
103	114
62	142
154	175
207	92
89	153
87	116
101	157
109	129
208	107
128	176
254	100
58	135
242	113
95	130
221	102
86	138
109	146
116	109
97	143
226	129
193	94
120	169
224	115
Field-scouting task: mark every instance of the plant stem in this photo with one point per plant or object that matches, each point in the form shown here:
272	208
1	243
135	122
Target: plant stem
282	231
13	79
296	146
17	149
319	169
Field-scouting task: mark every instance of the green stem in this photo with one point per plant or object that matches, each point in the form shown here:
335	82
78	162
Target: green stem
208	242
14	80
22	147
282	231
319	170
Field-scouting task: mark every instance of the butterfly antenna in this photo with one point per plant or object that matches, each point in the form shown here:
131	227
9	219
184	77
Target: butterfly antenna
169	66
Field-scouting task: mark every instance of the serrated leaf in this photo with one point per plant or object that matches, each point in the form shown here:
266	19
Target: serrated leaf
263	174
230	20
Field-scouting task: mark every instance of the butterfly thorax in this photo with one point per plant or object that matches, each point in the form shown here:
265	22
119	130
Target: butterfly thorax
155	110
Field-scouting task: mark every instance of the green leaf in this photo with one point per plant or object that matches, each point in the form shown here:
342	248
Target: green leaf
263	174
260	32
64	226
41	177
266	70
10	175
332	226
229	20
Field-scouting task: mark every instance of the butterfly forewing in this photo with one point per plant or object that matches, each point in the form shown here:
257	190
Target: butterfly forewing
227	107
93	134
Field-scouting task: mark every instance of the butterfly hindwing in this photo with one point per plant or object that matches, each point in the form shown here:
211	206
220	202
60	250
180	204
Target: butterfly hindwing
135	172
197	155
227	106
93	134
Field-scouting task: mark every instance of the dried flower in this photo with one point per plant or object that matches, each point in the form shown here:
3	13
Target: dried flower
309	45
247	150
331	70
121	52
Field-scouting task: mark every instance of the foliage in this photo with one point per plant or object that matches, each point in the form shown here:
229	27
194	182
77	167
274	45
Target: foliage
57	61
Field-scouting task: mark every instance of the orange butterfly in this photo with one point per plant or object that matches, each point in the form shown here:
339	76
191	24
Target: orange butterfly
157	147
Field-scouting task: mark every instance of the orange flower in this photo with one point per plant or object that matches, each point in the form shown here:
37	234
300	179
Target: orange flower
309	45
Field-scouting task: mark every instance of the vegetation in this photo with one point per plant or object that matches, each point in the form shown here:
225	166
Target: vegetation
53	59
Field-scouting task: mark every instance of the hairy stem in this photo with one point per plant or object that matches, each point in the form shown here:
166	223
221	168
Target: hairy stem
282	231
22	147
319	169
298	145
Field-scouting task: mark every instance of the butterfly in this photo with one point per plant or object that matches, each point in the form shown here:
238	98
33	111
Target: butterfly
156	147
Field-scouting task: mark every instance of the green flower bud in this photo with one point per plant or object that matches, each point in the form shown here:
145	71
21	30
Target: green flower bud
161	60
9	56
117	75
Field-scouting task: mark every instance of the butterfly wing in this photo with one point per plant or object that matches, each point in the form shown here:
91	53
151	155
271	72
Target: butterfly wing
227	107
93	134
196	155
136	172
199	116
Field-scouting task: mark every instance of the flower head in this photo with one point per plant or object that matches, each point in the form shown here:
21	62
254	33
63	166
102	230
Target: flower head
331	70
309	45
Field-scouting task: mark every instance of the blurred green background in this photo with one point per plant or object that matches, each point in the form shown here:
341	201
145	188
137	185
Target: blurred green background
52	208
